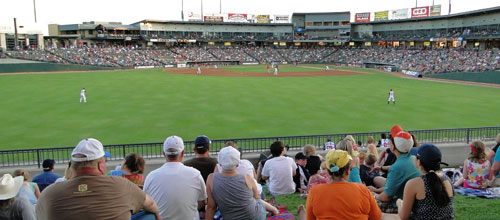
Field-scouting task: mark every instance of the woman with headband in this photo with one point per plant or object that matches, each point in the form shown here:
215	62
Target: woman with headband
476	168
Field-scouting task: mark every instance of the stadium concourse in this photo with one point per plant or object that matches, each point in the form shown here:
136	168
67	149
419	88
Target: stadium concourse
422	60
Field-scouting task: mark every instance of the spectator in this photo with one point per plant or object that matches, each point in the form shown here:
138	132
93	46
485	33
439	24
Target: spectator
383	142
301	176
476	168
373	180
29	190
68	174
202	162
48	176
429	196
400	172
234	194
178	190
321	177
347	145
90	194
340	199
11	207
279	170
492	152
372	149
313	160
132	169
329	145
388	159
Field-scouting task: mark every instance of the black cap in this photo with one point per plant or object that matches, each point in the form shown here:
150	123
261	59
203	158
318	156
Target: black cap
202	142
48	164
300	156
428	154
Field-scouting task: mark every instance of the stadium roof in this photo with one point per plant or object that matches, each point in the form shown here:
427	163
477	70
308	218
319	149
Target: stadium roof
320	13
209	23
462	14
92	26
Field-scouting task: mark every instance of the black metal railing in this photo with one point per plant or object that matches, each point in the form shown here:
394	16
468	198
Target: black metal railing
35	157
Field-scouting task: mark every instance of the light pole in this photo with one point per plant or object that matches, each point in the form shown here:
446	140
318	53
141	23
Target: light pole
220	6
182	10
202	18
16	37
34	9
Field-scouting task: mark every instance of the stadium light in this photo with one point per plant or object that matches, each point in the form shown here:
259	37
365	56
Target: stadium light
182	10
220	6
34	9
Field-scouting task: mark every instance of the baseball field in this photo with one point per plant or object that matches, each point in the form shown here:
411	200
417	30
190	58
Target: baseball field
136	106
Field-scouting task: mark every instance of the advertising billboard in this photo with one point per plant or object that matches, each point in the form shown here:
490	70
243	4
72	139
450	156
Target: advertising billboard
399	14
262	19
381	16
362	17
213	18
436	10
281	19
234	17
420	12
194	17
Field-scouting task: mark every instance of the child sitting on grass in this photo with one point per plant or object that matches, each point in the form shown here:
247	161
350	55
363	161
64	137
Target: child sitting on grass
476	168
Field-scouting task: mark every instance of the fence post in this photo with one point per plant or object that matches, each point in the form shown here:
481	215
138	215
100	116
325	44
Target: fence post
468	135
38	157
124	153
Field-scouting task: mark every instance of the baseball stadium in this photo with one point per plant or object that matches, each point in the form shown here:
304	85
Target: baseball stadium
336	93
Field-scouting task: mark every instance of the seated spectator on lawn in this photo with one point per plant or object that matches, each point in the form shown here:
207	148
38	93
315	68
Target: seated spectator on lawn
373	180
12	207
400	172
302	176
385	161
383	142
346	145
202	162
132	169
178	190
429	196
29	190
279	170
48	176
234	194
313	160
321	177
491	154
372	149
476	170
68	174
329	145
340	199
90	194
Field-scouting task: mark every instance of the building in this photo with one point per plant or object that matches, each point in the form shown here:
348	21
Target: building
327	27
26	38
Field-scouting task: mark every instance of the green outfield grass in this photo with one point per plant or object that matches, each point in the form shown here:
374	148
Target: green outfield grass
42	110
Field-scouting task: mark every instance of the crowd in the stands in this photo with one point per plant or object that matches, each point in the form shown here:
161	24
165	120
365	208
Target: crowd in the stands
394	178
422	60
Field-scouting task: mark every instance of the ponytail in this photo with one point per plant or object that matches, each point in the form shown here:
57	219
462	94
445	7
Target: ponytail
437	189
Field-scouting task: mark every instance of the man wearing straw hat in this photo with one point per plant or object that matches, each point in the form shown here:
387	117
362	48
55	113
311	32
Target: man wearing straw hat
90	194
11	207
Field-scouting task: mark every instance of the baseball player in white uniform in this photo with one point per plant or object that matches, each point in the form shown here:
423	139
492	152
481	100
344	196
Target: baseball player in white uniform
198	71
391	97
276	70
327	67
82	95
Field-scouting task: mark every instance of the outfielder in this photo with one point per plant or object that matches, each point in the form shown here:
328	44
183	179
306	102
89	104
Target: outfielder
391	97
82	96
276	70
327	67
198	71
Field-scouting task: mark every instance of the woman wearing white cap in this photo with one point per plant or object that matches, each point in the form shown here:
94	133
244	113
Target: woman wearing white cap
11	207
234	194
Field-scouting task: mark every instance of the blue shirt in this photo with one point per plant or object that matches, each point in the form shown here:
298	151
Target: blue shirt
45	179
497	158
401	171
354	177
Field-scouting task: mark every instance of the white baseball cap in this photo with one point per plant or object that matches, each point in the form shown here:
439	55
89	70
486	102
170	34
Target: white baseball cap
90	148
9	187
228	158
402	139
173	145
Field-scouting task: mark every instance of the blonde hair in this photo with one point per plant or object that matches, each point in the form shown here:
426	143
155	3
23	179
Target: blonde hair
478	155
345	145
23	173
309	150
370	140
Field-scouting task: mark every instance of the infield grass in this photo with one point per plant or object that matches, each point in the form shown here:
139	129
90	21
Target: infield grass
43	110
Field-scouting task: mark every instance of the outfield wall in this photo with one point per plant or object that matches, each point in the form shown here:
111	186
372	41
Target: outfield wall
46	67
482	77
